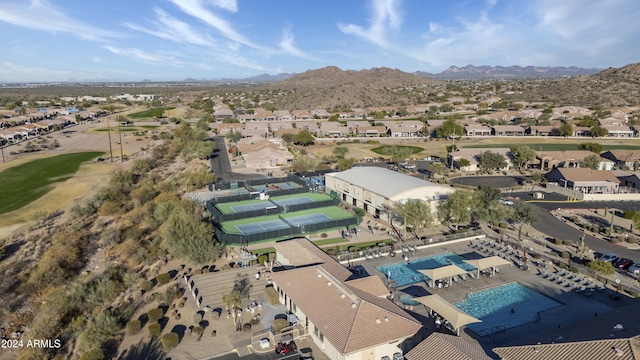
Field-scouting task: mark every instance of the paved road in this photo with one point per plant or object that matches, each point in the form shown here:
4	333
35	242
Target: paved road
550	225
496	181
221	166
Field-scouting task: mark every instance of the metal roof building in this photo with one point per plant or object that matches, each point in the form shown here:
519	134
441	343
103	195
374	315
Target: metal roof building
375	189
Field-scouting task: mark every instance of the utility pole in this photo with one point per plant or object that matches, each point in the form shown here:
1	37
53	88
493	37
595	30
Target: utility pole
453	148
120	135
109	132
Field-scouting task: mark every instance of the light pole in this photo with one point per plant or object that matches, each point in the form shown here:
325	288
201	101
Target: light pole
453	148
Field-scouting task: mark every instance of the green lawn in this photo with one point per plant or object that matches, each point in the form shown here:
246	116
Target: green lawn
22	184
148	113
554	147
382	150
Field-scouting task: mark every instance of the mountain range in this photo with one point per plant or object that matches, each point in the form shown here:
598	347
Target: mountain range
508	72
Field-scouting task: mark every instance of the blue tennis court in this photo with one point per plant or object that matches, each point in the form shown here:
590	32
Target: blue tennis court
308	219
293	201
251	207
256	228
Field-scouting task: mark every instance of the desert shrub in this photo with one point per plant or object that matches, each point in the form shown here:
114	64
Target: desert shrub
279	324
595	228
176	317
566	255
226	267
272	295
154	329
95	354
133	326
567	242
165	298
197	271
536	256
155	314
324	235
246	327
170	340
557	241
572	219
146	285
163	278
198	330
97	330
262	259
603	267
502	225
615	239
331	251
630	239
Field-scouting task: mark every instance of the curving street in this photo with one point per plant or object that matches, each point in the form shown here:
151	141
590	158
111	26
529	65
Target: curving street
221	165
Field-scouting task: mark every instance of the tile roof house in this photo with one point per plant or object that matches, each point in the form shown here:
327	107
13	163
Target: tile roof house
320	114
222	112
264	115
586	181
333	129
629	159
542	130
619	131
259	152
440	346
283	115
569	158
346	318
508	130
477	130
370	131
302	115
622	349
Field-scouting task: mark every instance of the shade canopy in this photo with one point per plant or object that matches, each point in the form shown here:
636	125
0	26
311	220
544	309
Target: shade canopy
443	272
487	262
452	314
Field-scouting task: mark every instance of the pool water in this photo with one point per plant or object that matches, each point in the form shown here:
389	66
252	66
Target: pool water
406	274
494	307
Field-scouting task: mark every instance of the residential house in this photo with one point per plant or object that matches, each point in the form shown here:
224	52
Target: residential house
408	128
370	131
624	159
477	130
570	158
244	118
264	115
258	152
473	155
435	123
221	112
508	130
283	115
619	131
278	133
302	115
320	114
333	129
586	181
353	125
628	179
224	128
348	318
439	346
581	131
541	130
613	348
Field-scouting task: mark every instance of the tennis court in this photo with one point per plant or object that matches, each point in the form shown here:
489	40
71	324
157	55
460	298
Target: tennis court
255	228
308	219
293	201
250	207
277	186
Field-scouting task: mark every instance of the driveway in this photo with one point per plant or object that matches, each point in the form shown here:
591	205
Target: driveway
221	166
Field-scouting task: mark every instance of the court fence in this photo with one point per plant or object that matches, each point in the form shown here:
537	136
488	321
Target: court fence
279	234
218	216
310	205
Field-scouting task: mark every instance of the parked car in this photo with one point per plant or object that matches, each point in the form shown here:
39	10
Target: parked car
634	269
610	257
623	263
506	202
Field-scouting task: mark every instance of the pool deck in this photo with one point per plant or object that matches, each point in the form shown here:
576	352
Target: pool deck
576	307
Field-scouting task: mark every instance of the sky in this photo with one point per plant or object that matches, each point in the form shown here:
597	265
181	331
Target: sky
172	40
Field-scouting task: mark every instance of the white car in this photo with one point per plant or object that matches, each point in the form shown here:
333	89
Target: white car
610	257
506	202
635	268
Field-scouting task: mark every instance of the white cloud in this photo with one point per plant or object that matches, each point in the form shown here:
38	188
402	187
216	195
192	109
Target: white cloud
386	17
288	45
138	54
197	9
41	15
230	5
170	28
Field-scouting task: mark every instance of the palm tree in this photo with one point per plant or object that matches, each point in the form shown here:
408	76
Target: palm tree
232	300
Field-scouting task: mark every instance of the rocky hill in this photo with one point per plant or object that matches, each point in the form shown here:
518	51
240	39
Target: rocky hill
332	87
611	87
507	72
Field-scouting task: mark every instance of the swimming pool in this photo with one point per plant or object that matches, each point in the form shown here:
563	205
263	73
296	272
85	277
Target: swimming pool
406	274
494	307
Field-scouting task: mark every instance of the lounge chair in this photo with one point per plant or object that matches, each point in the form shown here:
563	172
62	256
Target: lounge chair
463	277
544	274
565	283
454	278
472	275
561	272
560	280
551	277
